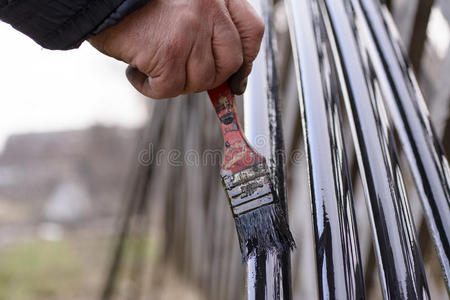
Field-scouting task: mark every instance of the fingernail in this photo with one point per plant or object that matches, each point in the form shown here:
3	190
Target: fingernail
129	73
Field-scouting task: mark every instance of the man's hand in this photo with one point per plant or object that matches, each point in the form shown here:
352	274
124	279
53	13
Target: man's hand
177	47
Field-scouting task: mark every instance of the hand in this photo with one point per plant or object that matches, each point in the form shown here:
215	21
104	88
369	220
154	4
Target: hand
177	47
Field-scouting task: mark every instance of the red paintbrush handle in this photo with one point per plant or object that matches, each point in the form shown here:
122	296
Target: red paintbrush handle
239	155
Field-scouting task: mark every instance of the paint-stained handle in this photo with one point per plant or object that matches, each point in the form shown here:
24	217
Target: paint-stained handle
239	155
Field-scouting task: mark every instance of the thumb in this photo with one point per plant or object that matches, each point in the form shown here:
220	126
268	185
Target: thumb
159	87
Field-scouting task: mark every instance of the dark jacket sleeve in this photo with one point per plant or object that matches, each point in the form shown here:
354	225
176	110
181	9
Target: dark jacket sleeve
64	24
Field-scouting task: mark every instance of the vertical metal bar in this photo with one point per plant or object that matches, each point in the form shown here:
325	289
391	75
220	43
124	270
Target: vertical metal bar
269	274
388	3
419	33
399	258
338	259
424	152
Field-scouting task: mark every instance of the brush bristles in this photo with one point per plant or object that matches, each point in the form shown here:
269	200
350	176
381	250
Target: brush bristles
263	230
261	222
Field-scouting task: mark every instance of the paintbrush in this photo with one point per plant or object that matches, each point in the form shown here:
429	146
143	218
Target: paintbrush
260	220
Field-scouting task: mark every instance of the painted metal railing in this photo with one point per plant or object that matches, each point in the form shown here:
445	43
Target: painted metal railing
412	121
350	68
369	72
268	274
399	259
339	270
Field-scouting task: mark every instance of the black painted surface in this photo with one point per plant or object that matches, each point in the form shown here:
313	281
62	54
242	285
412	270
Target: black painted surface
338	262
423	149
269	274
399	258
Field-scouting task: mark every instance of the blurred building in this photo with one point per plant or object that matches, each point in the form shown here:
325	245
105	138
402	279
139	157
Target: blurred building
67	177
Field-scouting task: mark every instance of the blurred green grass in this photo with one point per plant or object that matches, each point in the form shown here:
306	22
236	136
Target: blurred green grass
69	269
39	270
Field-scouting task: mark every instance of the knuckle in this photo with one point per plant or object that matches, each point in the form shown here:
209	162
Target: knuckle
253	39
236	63
144	64
193	22
139	62
259	28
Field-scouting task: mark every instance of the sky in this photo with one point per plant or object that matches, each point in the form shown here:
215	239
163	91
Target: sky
43	90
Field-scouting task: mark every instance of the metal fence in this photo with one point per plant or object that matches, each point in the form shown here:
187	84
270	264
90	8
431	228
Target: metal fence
334	105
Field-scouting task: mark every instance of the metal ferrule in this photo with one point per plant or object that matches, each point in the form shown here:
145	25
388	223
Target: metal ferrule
248	189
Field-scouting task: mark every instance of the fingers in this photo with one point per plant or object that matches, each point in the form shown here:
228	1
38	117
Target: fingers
138	80
251	30
194	56
182	75
227	49
167	85
200	67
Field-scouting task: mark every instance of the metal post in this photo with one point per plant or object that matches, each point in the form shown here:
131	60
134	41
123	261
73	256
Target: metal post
338	259
400	262
268	275
426	158
419	32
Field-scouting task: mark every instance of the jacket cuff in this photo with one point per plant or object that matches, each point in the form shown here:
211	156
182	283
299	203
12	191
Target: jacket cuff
65	24
4	3
123	10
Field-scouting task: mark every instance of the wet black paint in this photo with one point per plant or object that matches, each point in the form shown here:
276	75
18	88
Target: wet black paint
423	149
338	262
399	258
269	274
